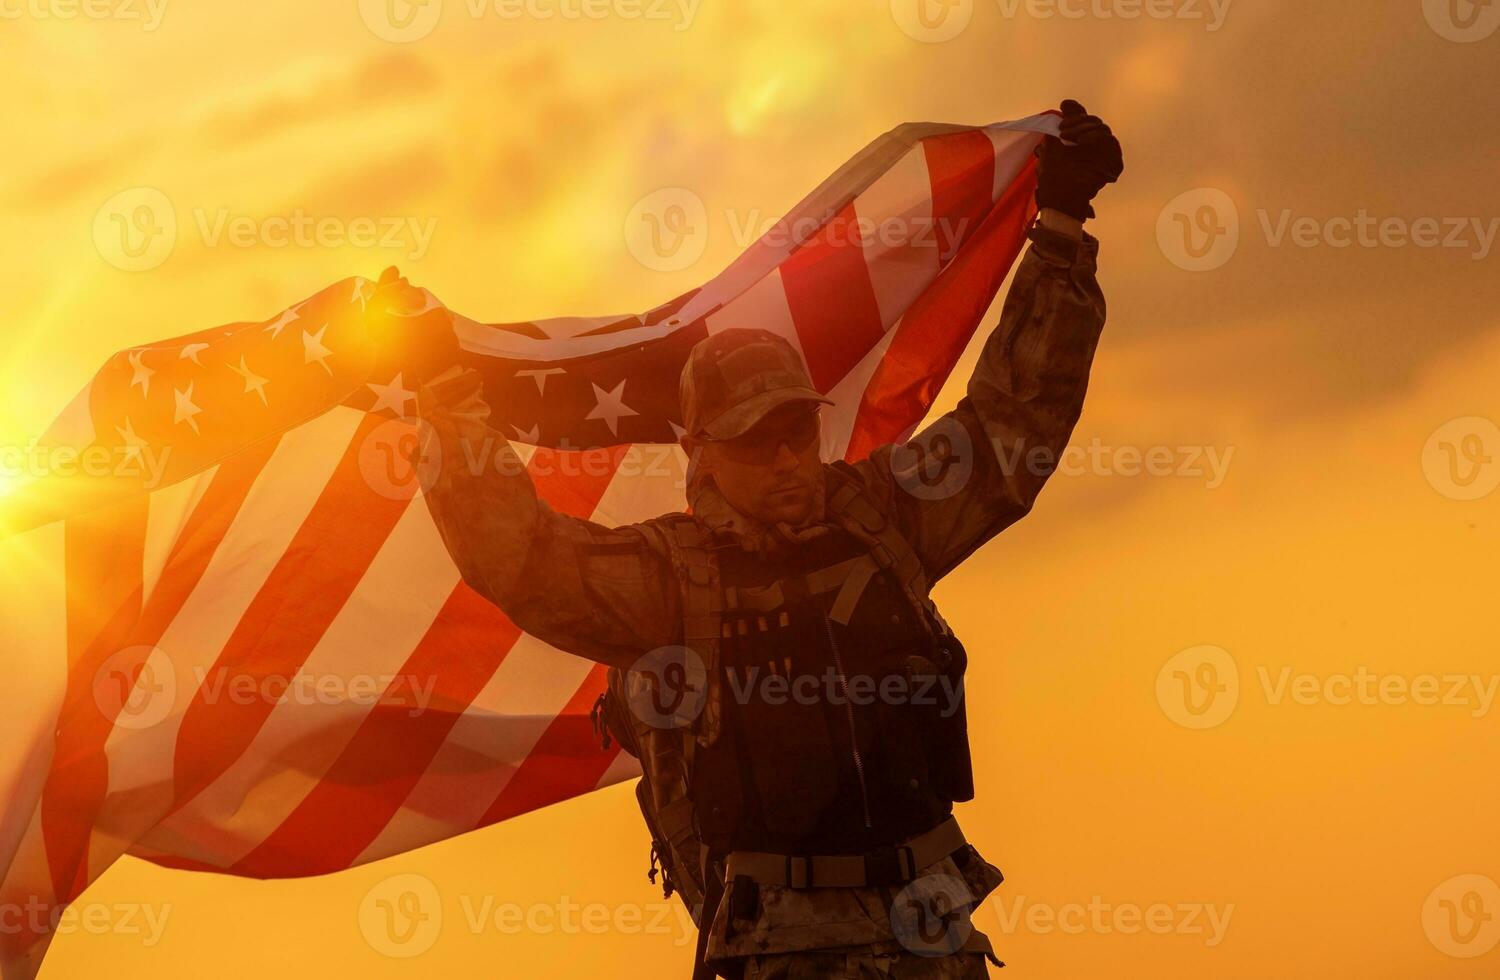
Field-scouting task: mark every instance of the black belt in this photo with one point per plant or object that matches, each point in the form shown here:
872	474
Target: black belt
887	866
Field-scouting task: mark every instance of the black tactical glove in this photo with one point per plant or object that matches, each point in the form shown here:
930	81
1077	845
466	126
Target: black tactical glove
1074	169
420	345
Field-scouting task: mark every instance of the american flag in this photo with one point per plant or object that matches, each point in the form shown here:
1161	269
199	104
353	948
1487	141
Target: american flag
241	643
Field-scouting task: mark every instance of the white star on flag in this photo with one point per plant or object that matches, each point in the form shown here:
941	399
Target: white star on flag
133	443
191	352
253	381
313	351
393	396
142	374
274	329
611	407
530	436
185	410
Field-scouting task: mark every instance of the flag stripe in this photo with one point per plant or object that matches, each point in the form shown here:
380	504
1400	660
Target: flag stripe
832	300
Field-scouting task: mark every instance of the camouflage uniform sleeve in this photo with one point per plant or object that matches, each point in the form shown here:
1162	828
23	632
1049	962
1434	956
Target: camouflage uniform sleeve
979	469
603	593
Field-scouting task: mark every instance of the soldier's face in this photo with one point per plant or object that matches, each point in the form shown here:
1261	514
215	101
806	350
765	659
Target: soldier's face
771	473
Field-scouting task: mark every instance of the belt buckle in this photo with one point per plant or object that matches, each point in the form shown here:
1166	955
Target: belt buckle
890	866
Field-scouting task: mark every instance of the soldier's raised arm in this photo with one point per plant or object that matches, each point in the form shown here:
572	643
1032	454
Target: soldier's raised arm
978	469
601	593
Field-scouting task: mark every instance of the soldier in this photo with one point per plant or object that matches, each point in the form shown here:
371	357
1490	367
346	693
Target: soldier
808	739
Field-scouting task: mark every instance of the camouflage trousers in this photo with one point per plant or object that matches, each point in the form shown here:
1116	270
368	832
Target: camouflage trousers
882	961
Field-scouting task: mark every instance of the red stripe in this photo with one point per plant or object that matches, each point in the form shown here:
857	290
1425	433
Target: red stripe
79	778
567	759
177	863
102	555
389	753
832	300
938	326
961	168
327	559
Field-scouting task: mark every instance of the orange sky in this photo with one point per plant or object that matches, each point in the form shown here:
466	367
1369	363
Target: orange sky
1329	546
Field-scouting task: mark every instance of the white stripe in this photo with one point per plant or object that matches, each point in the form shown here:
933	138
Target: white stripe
764	306
1012	150
484	749
839	418
369	641
167	514
625	766
898	207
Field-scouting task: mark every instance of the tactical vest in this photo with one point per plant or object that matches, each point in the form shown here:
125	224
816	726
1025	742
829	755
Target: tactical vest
832	716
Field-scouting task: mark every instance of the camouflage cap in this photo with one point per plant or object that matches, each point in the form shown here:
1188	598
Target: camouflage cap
734	378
